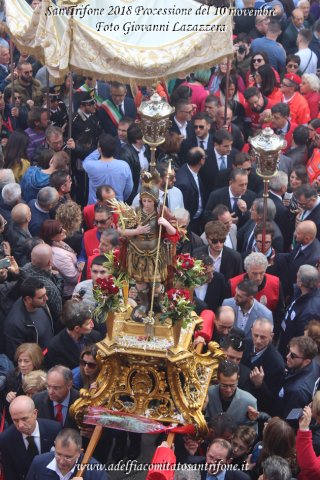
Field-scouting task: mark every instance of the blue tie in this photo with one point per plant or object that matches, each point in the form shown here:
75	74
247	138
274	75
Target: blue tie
223	164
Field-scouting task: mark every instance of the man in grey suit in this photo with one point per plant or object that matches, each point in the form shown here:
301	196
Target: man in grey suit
227	397
246	308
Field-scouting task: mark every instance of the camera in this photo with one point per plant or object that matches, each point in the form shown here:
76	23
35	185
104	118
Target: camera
242	49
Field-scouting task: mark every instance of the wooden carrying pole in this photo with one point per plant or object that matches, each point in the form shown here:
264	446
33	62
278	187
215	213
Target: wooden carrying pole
97	432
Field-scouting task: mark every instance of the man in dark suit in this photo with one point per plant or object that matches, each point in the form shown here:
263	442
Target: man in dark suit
191	186
236	197
309	203
219	159
181	121
266	364
290	35
245	235
62	463
137	155
218	457
211	294
242	160
306	251
200	137
54	403
115	108
226	261
27	437
277	187
226	122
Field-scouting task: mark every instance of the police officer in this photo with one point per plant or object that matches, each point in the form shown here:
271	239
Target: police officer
58	110
85	132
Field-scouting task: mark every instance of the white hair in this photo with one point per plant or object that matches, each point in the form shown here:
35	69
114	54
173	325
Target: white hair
313	81
255	259
11	193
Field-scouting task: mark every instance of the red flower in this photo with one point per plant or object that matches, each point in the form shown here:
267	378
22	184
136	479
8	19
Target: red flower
174	293
107	285
187	262
116	255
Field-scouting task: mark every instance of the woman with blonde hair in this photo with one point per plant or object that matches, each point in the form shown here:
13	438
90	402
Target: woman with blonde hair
34	382
28	357
70	216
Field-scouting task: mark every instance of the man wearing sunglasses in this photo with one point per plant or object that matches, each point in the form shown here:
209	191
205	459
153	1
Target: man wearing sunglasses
301	378
225	260
309	205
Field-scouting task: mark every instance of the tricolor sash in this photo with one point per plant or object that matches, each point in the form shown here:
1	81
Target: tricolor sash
112	112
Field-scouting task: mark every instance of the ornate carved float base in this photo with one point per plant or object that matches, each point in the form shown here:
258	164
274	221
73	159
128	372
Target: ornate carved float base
150	376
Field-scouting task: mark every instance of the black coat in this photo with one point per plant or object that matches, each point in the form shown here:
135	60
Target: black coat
255	183
45	407
221	196
15	459
186	183
62	350
244	234
17	237
298	389
210	170
217	291
231	261
283	221
274	369
315	217
308	256
105	121
130	155
302	309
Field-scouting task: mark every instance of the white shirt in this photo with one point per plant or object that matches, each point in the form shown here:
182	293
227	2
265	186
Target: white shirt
144	164
228	242
308	63
182	127
216	261
201	291
196	179
54	467
36	435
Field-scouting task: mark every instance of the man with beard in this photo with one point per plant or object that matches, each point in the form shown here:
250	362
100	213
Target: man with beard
28	87
256	105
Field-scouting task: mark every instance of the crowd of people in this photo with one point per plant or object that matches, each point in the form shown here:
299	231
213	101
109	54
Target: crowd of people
262	279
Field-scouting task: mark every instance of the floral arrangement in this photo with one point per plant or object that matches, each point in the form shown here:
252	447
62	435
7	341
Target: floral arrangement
113	265
178	306
107	294
188	271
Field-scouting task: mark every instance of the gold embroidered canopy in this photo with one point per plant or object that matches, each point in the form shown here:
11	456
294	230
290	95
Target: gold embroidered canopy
142	40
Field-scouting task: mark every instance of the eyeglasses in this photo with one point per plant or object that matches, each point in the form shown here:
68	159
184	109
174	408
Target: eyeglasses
201	127
257	60
216	240
91	365
293	355
226	386
292	65
65	457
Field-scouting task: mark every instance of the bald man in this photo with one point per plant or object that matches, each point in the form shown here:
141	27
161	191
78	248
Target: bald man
18	232
307	250
41	268
289	38
223	325
27	437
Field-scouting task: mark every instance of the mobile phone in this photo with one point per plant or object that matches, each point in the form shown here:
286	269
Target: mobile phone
295	414
82	292
256	453
287	196
5	263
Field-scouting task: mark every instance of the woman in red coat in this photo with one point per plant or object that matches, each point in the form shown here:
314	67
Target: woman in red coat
309	88
308	461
